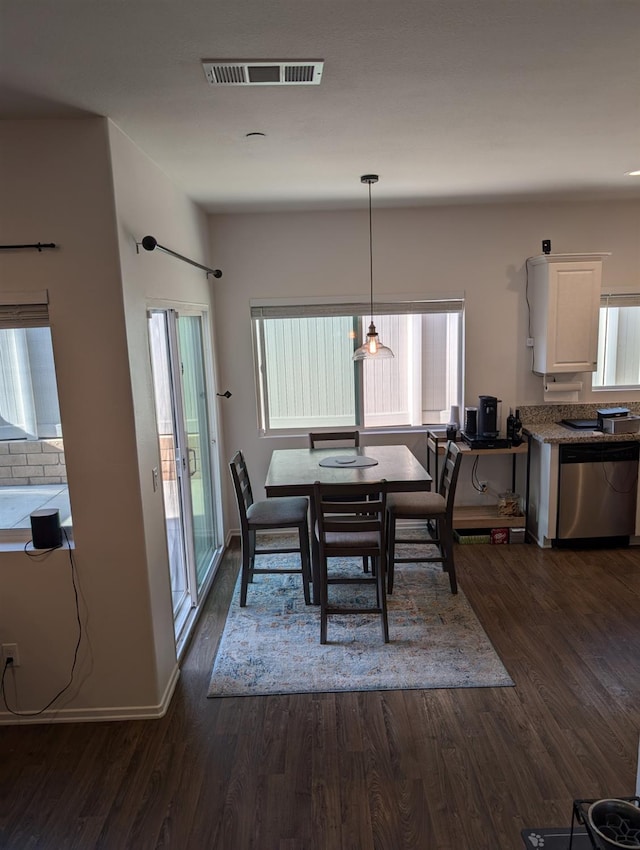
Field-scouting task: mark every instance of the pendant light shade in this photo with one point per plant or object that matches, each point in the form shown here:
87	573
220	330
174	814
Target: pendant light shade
372	348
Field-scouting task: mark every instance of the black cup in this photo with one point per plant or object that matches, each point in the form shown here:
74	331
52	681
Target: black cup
471	420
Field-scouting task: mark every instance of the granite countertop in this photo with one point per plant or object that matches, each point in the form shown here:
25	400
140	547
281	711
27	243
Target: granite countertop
542	422
553	432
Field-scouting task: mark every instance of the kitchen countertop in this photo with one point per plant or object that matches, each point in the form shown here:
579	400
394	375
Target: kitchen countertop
553	432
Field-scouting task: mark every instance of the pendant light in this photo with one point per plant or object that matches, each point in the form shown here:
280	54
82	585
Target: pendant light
372	348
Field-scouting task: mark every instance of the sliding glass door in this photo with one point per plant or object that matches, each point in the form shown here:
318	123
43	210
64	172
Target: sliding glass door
198	443
188	469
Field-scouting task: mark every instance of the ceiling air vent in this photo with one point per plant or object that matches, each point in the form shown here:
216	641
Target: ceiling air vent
244	72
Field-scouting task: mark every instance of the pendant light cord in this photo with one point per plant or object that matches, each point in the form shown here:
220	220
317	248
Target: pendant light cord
372	347
370	251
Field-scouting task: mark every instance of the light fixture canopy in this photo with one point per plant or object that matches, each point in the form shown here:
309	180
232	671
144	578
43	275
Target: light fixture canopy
372	348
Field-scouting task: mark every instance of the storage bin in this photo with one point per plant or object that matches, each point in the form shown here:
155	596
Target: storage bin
517	535
471	535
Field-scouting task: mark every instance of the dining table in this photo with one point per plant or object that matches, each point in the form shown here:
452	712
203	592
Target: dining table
293	472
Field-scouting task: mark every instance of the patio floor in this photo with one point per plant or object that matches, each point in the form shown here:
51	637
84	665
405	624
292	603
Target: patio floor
18	503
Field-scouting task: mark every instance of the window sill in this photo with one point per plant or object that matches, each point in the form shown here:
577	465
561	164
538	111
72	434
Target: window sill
364	432
15	540
620	389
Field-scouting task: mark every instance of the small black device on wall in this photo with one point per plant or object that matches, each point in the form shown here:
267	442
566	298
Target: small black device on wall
546	246
45	529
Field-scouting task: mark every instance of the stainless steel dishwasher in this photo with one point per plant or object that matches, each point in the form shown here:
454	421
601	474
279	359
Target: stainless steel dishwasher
597	491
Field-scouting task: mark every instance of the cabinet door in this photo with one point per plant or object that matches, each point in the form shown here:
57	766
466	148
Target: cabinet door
566	305
574	303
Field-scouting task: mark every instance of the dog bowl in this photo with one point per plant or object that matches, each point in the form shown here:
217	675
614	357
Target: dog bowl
615	823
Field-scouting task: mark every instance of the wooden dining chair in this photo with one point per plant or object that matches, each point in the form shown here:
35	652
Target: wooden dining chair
349	438
350	523
345	438
436	510
273	514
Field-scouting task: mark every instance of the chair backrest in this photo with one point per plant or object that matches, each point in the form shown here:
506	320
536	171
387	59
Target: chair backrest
350	438
241	485
449	475
351	509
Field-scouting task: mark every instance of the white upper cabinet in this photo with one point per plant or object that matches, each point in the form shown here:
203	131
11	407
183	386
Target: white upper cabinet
564	298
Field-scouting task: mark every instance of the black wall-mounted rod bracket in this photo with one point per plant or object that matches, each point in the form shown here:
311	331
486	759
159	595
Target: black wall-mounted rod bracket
149	243
35	246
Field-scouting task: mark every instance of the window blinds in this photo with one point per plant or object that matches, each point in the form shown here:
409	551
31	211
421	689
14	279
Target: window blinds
354	308
24	310
623	299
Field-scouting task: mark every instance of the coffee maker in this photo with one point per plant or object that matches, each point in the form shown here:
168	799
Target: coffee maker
481	426
487	423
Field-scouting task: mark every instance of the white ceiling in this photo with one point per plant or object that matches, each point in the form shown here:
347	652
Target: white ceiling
447	100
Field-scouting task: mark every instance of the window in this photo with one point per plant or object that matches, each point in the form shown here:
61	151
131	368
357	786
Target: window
618	343
307	379
32	464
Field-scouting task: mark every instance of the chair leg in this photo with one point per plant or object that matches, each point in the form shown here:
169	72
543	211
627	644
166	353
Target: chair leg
446	542
382	596
305	559
324	600
391	551
252	554
439	530
315	555
246	571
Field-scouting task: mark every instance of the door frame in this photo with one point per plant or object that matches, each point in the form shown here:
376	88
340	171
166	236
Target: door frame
204	311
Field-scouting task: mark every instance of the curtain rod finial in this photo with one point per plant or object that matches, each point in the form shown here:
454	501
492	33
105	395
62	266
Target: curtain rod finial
149	243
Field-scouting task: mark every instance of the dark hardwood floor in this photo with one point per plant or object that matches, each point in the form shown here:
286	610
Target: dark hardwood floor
435	770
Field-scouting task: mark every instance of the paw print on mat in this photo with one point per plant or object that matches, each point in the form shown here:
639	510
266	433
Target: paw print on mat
535	840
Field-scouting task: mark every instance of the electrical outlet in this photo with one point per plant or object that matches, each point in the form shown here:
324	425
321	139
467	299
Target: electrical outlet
10	650
483	485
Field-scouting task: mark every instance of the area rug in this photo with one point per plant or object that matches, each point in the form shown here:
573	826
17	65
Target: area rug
556	839
272	646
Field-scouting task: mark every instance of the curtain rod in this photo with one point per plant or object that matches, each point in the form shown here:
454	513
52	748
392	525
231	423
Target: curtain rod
150	242
38	245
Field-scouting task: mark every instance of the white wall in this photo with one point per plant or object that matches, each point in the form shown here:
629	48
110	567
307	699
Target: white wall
57	185
476	249
149	204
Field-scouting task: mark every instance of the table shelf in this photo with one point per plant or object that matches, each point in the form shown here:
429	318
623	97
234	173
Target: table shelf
477	516
484	516
435	439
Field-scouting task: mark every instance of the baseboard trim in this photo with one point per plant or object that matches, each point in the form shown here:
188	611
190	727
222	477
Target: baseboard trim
98	715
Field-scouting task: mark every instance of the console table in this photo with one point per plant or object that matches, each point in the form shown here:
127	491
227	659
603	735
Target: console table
477	516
